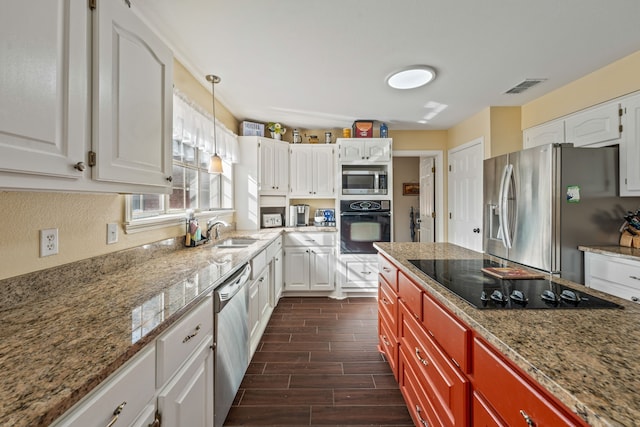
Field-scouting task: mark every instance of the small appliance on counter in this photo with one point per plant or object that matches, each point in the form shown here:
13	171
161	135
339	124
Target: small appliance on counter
298	216
270	220
324	218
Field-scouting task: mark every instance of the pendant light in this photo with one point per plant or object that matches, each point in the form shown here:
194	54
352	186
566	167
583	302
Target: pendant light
215	163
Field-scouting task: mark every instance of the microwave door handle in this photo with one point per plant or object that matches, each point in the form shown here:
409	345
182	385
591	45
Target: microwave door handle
504	205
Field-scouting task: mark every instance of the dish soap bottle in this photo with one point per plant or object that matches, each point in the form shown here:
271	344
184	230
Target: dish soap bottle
383	131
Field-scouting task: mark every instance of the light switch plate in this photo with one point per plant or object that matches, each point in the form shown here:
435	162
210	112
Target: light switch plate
112	233
48	242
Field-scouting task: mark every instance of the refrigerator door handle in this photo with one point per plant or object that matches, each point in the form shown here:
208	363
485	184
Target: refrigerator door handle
503	205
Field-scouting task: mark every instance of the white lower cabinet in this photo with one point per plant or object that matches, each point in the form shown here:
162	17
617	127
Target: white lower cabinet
613	275
187	400
358	272
259	308
123	397
309	261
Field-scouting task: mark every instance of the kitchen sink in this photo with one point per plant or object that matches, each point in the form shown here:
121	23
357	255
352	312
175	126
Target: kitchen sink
235	243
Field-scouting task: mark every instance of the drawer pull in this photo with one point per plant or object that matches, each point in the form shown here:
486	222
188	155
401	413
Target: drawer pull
423	361
385	301
116	413
366	272
634	277
387	269
385	341
635	299
527	418
188	337
422	421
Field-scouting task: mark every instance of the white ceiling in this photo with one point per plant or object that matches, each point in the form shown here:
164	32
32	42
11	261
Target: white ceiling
323	64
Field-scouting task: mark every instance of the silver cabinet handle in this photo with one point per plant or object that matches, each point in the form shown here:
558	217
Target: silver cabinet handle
80	166
116	413
366	272
527	418
188	337
634	277
422	421
635	299
385	301
423	361
386	341
387	269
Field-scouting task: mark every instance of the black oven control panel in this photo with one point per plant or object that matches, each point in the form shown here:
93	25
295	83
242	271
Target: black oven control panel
365	205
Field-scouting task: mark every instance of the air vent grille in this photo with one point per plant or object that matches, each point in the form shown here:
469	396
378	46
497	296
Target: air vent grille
524	85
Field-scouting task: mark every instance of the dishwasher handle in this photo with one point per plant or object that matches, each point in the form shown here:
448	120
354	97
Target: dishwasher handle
231	287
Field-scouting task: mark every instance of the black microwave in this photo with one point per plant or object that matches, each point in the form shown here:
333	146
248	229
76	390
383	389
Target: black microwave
364	180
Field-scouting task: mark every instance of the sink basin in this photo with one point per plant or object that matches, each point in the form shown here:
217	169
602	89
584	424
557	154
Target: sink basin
235	243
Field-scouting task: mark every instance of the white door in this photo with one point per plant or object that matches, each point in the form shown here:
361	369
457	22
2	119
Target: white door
426	221
465	195
133	100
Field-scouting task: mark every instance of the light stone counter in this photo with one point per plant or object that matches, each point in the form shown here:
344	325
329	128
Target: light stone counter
614	251
65	329
588	359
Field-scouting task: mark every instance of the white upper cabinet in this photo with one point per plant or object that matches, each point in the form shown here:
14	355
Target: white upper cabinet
548	133
274	167
312	170
595	127
630	147
364	150
44	83
53	128
133	98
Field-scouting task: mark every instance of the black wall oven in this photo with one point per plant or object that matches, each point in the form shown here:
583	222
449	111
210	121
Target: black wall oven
363	222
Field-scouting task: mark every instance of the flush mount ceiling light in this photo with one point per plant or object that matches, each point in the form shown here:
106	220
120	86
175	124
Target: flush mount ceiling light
411	77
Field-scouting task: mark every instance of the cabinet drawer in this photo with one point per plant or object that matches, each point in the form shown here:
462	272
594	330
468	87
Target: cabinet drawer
621	272
445	385
309	239
418	404
176	344
411	295
389	345
133	384
258	263
273	248
483	414
388	271
514	397
452	335
388	305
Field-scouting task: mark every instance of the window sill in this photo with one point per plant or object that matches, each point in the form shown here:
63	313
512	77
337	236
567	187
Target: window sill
168	220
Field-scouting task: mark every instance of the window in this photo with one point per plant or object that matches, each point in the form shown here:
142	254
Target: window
193	187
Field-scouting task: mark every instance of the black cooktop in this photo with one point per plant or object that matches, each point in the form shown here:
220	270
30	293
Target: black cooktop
465	278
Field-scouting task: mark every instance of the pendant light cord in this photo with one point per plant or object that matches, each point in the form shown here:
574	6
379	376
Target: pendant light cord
214	79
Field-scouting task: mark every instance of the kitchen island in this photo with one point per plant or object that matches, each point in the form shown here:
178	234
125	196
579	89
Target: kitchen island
586	359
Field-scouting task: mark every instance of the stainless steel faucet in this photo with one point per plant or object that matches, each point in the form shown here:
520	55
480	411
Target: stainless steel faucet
213	223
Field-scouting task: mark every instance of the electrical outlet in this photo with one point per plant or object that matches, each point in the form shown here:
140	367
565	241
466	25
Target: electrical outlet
48	242
112	233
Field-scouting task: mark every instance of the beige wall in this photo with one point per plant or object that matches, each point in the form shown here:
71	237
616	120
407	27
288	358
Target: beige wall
506	130
81	219
405	169
614	80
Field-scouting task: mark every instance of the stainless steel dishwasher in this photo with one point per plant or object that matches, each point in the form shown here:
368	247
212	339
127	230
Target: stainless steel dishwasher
231	310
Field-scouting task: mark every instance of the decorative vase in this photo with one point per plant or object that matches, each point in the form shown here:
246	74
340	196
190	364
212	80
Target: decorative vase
277	136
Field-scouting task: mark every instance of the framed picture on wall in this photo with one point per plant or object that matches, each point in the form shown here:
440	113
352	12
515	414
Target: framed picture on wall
410	189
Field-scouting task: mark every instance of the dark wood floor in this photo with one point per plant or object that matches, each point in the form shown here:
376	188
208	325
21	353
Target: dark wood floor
318	364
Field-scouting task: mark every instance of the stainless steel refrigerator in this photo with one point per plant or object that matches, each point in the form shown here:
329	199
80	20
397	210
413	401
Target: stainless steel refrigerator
541	203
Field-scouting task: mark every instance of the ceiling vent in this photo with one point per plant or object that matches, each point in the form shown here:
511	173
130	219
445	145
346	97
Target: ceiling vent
524	85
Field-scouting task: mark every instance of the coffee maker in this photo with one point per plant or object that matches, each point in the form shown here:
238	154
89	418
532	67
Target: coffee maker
298	215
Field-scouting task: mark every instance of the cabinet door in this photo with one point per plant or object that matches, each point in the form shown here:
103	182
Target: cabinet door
351	150
44	81
322	269
267	180
378	150
548	133
254	315
133	99
301	166
278	275
187	400
595	127
359	274
296	269
323	172
630	148
281	167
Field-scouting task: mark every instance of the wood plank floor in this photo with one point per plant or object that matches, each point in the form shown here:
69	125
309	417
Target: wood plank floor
318	365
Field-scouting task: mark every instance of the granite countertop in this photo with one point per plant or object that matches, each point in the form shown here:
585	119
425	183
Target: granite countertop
615	251
64	330
588	359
